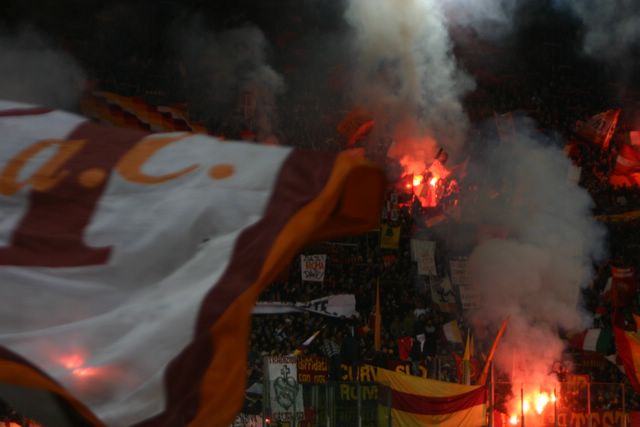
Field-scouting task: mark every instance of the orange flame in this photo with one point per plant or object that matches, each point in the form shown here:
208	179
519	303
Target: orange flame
540	401
417	180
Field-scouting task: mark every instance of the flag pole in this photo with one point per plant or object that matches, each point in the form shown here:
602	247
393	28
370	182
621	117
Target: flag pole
378	321
492	390
521	405
555	407
589	422
624	407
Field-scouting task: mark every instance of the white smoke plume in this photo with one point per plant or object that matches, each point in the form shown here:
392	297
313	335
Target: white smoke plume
34	71
535	274
227	75
406	73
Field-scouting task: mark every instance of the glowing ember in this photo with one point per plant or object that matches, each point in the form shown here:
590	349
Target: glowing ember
85	372
433	181
513	420
525	406
74	363
417	180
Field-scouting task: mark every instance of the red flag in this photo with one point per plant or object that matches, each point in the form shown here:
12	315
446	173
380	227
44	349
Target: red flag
485	370
623	285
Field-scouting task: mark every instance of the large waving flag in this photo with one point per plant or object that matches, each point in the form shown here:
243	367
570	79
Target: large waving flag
419	402
130	262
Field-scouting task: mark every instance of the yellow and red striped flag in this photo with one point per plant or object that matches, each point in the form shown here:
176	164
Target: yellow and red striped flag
628	348
417	401
130	262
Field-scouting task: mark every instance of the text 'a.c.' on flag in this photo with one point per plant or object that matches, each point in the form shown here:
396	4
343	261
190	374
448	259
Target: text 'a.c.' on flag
130	262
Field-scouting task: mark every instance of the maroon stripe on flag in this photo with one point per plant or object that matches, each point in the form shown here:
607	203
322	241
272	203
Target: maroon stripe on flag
24	112
426	405
301	179
69	205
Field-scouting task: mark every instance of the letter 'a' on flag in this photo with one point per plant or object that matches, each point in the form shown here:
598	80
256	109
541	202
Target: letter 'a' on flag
416	401
130	262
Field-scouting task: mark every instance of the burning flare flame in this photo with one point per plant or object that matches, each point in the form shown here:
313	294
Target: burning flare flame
538	400
425	182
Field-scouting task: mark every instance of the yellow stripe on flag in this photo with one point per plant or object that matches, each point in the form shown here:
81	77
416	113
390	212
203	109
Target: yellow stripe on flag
466	418
421	402
417	385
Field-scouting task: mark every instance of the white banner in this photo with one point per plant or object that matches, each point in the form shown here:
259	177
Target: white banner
285	394
312	267
459	271
423	253
343	305
246	420
469	296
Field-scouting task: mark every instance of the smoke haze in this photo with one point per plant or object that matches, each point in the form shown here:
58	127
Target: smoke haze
221	67
34	71
536	274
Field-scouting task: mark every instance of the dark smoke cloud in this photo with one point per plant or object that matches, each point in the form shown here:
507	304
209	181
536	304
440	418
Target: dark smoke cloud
219	67
32	70
612	27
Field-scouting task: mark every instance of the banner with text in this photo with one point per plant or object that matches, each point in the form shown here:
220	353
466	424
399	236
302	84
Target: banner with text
342	305
469	297
312	267
423	253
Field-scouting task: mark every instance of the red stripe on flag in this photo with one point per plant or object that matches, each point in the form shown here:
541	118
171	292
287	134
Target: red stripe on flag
427	405
24	112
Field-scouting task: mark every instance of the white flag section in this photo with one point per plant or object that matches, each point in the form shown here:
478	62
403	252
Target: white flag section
343	305
423	252
130	262
285	394
312	267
